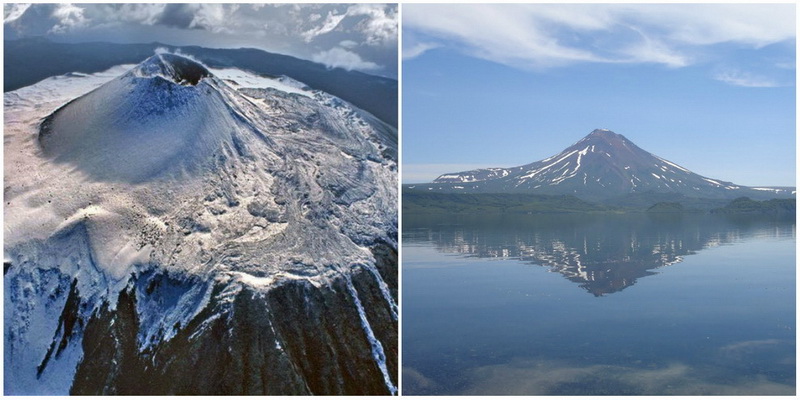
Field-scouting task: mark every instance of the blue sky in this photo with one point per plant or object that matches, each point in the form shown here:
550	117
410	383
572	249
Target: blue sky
710	87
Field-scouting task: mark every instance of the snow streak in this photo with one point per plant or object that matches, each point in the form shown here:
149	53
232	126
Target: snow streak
377	347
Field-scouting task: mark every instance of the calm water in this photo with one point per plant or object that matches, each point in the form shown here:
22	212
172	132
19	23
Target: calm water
598	305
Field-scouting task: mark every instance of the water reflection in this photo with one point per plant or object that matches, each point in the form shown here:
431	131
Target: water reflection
521	377
602	254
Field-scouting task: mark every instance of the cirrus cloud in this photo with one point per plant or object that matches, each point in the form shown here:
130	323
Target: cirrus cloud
550	35
745	79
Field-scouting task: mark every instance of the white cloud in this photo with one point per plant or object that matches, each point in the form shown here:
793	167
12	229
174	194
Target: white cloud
703	24
213	17
13	11
299	30
381	23
550	35
330	23
417	49
376	22
338	57
68	16
508	34
146	14
348	44
745	79
649	50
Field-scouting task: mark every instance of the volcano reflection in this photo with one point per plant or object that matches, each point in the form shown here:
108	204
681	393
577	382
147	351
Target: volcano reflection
603	254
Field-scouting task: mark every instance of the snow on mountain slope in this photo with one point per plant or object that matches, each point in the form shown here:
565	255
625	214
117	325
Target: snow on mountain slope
238	78
118	182
603	164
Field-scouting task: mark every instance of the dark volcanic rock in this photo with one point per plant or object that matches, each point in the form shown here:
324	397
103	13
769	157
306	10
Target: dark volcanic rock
176	68
295	338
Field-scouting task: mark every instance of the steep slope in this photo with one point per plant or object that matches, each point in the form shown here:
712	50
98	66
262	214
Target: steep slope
159	211
600	166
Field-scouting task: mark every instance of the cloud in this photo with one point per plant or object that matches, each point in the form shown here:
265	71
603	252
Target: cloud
214	17
367	31
704	24
211	17
177	15
348	44
330	23
552	35
508	34
376	22
745	79
417	49
381	23
649	50
12	12
147	14
68	16
338	57
553	377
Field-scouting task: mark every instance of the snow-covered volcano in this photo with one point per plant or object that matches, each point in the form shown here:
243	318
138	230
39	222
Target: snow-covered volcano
171	228
167	114
602	165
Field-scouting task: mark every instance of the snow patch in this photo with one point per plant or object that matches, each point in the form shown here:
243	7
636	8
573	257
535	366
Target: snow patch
673	164
249	80
712	181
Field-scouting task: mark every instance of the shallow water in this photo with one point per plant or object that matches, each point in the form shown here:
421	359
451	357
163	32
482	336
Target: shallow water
598	305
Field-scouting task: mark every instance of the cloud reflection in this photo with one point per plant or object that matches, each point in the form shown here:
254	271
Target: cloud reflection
551	377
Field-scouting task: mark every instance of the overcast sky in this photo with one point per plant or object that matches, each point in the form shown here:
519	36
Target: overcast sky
359	37
710	87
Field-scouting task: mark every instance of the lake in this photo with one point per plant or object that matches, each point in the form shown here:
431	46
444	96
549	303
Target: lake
598	305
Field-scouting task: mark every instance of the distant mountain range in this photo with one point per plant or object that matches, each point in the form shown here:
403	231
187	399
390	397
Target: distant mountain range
30	60
603	165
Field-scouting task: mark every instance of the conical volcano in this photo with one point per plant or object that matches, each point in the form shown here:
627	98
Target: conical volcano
602	165
167	114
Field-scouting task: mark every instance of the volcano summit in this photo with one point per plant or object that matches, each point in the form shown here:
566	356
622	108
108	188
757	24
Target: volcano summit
177	229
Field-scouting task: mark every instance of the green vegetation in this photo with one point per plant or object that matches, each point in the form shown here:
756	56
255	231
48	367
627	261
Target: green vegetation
666	207
744	205
643	201
426	203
